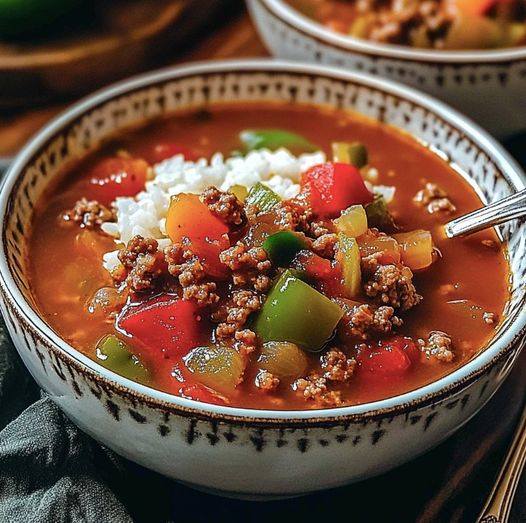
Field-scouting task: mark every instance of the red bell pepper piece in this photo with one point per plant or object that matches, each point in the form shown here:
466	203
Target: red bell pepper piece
165	150
189	218
332	187
165	326
114	177
387	359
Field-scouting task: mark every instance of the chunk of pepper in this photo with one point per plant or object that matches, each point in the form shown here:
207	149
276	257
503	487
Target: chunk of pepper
296	312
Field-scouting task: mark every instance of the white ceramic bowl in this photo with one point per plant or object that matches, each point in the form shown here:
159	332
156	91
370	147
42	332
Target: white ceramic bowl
233	450
487	85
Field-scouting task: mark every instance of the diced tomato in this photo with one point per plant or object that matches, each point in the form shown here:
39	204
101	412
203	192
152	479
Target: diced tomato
387	359
189	218
165	150
321	272
201	393
332	187
166	326
114	177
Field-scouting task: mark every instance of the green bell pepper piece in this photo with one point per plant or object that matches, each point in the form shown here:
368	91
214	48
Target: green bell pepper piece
378	214
282	246
262	197
273	139
115	355
349	257
297	313
354	153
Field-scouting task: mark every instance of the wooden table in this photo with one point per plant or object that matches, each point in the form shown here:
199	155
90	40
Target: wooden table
448	484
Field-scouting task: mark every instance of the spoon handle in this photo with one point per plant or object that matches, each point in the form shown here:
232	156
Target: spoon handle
511	207
498	506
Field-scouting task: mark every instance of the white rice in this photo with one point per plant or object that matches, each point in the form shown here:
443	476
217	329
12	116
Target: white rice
145	214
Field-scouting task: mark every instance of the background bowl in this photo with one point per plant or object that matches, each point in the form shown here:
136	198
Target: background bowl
487	85
233	450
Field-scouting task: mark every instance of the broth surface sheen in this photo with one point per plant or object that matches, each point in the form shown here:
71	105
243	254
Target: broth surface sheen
468	278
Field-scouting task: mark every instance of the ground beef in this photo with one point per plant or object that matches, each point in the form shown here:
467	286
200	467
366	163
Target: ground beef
294	214
267	381
191	275
325	245
397	22
314	388
434	199
319	228
361	322
89	214
438	345
249	266
392	285
144	265
224	205
337	366
489	317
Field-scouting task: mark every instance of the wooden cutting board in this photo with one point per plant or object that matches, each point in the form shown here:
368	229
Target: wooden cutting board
115	39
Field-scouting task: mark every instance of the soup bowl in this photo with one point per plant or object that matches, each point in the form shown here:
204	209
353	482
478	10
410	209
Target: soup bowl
487	85
236	451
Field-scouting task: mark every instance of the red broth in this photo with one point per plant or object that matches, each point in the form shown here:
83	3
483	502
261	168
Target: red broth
468	277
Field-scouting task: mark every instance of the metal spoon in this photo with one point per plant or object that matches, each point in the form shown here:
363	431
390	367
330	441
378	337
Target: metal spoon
508	208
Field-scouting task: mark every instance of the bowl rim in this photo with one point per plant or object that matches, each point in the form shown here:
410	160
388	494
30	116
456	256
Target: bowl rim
313	29
426	395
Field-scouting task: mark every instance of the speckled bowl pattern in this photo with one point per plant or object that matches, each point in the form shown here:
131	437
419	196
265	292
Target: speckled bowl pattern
486	85
236	451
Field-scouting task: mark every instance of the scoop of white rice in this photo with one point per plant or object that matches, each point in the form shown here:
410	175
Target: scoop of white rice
145	214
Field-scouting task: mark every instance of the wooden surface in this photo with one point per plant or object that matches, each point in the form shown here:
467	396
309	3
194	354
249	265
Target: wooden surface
448	484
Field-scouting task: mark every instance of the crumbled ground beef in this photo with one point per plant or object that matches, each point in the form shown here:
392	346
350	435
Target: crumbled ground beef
434	199
224	205
392	285
325	245
361	322
191	274
337	366
249	266
490	318
144	265
397	22
438	345
319	228
89	214
267	381
314	388
293	214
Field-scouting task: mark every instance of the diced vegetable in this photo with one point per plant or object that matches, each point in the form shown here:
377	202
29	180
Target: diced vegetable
387	358
332	187
115	355
349	258
189	218
239	191
262	197
117	176
416	248
106	300
353	221
282	246
199	392
378	214
166	326
92	244
354	153
218	367
273	139
296	312
371	243
283	359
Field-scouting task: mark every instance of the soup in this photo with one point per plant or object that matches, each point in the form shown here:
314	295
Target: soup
267	256
438	24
